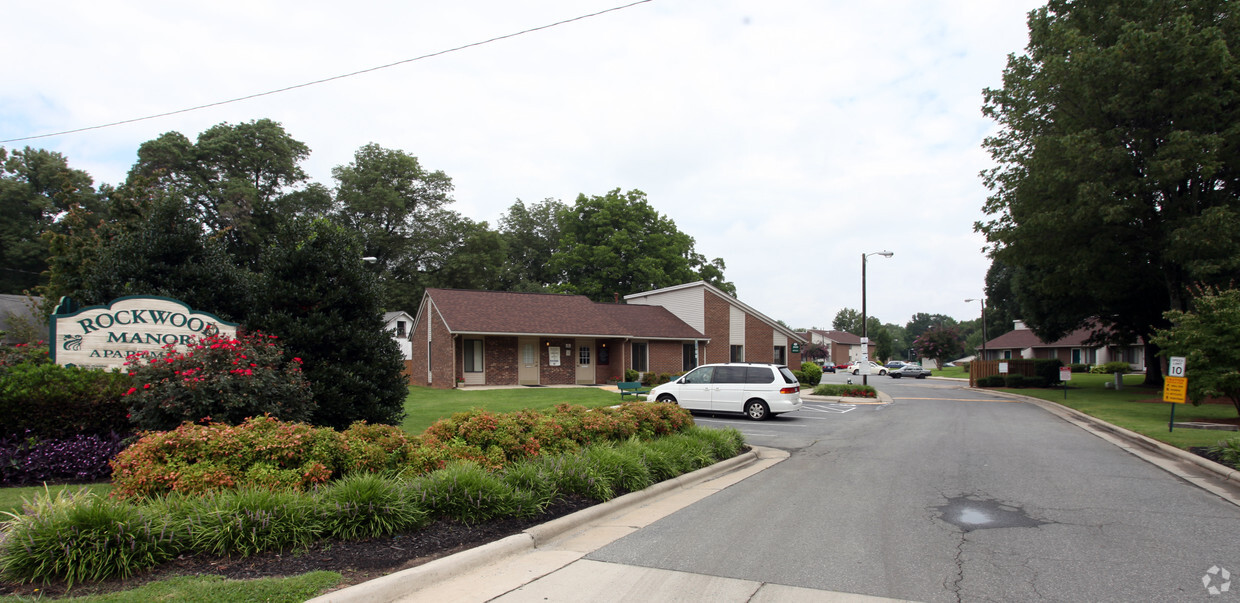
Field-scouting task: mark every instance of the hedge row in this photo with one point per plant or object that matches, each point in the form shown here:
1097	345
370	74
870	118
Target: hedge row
266	453
80	537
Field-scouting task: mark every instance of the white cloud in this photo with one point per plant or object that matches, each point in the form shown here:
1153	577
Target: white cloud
786	137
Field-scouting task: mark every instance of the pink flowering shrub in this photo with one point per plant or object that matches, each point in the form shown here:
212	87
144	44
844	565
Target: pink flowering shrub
218	379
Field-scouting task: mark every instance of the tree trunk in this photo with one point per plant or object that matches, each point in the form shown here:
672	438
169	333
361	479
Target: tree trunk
1153	366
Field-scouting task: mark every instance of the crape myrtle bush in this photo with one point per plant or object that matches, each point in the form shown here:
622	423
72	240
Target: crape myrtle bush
44	400
82	458
267	453
81	537
219	379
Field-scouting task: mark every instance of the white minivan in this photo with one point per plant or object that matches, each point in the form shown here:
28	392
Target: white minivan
755	390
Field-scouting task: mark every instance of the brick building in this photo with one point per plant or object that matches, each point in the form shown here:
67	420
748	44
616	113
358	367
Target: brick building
504	338
734	331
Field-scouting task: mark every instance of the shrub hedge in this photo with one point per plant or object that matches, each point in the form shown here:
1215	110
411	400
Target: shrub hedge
267	453
52	401
114	538
849	391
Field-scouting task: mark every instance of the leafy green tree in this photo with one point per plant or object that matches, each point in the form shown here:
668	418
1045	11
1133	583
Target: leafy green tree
163	252
922	322
940	343
617	244
532	236
1117	170
36	188
240	179
882	341
328	310
848	320
1208	337
400	211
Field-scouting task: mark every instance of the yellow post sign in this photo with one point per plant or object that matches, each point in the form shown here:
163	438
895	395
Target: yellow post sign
1175	389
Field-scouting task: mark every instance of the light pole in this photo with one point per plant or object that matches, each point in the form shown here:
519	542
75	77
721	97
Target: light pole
865	331
983	302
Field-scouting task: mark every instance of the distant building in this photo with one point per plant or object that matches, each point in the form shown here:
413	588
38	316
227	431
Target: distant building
1073	348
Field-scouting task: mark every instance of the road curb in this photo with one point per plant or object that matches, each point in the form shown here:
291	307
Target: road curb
399	584
1147	443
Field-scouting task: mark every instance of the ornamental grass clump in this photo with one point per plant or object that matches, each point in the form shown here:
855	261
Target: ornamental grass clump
368	505
218	379
250	521
468	493
90	539
622	468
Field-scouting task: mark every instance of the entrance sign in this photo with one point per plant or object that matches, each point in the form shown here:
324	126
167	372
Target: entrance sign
1175	390
1065	373
101	337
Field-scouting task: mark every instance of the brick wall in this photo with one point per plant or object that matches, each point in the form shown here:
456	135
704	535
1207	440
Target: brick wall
443	363
566	373
759	341
442	352
501	356
665	357
717	317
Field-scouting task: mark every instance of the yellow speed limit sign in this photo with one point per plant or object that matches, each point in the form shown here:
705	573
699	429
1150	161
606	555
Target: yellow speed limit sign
1175	389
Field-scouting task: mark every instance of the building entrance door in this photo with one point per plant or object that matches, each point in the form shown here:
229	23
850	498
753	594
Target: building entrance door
527	355
585	362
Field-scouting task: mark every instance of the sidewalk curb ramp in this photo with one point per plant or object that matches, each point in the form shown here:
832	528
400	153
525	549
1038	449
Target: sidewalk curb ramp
400	584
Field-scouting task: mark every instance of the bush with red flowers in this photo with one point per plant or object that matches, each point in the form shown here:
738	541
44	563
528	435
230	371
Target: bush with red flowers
218	379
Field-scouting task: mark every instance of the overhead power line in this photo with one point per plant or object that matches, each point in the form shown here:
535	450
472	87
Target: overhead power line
327	79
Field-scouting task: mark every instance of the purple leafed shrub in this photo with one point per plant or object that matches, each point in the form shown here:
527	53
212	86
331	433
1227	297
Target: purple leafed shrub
25	460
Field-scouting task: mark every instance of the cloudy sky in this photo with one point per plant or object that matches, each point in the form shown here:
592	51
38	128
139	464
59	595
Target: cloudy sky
788	137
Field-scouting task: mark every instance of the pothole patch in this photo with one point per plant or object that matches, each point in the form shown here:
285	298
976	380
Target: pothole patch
968	514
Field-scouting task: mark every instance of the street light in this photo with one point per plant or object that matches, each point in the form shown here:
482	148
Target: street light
983	302
865	331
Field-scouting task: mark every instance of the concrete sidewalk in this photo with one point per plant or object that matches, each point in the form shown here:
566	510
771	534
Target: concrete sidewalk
545	563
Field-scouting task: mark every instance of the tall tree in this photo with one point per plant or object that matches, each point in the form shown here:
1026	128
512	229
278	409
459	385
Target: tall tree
1118	163
922	322
36	188
848	320
240	179
617	244
400	211
532	236
314	292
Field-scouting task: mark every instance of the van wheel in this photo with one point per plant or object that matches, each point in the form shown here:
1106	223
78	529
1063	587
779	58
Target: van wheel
667	398
757	410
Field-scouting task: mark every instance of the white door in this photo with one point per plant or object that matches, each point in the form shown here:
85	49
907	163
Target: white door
585	361
694	390
527	361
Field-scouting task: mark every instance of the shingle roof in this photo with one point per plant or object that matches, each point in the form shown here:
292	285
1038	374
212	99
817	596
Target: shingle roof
1024	338
841	337
553	314
653	322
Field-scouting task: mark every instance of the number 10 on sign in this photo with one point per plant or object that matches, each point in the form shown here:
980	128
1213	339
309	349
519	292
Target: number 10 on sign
1175	386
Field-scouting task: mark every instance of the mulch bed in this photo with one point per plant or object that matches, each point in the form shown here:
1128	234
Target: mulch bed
356	560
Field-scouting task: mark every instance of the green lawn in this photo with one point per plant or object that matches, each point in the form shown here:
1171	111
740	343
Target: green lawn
956	372
1131	409
426	405
12	499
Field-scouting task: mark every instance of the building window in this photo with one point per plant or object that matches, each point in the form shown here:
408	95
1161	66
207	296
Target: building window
400	328
688	357
640	360
583	355
473	355
738	353
781	354
604	357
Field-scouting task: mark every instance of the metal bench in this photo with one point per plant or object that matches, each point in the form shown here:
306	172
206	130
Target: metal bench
631	388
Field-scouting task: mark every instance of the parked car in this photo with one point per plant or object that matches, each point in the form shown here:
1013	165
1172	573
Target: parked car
756	390
843	367
875	368
895	364
910	370
828	368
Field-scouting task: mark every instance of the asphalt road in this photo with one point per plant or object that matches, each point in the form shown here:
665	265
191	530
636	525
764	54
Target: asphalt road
949	494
